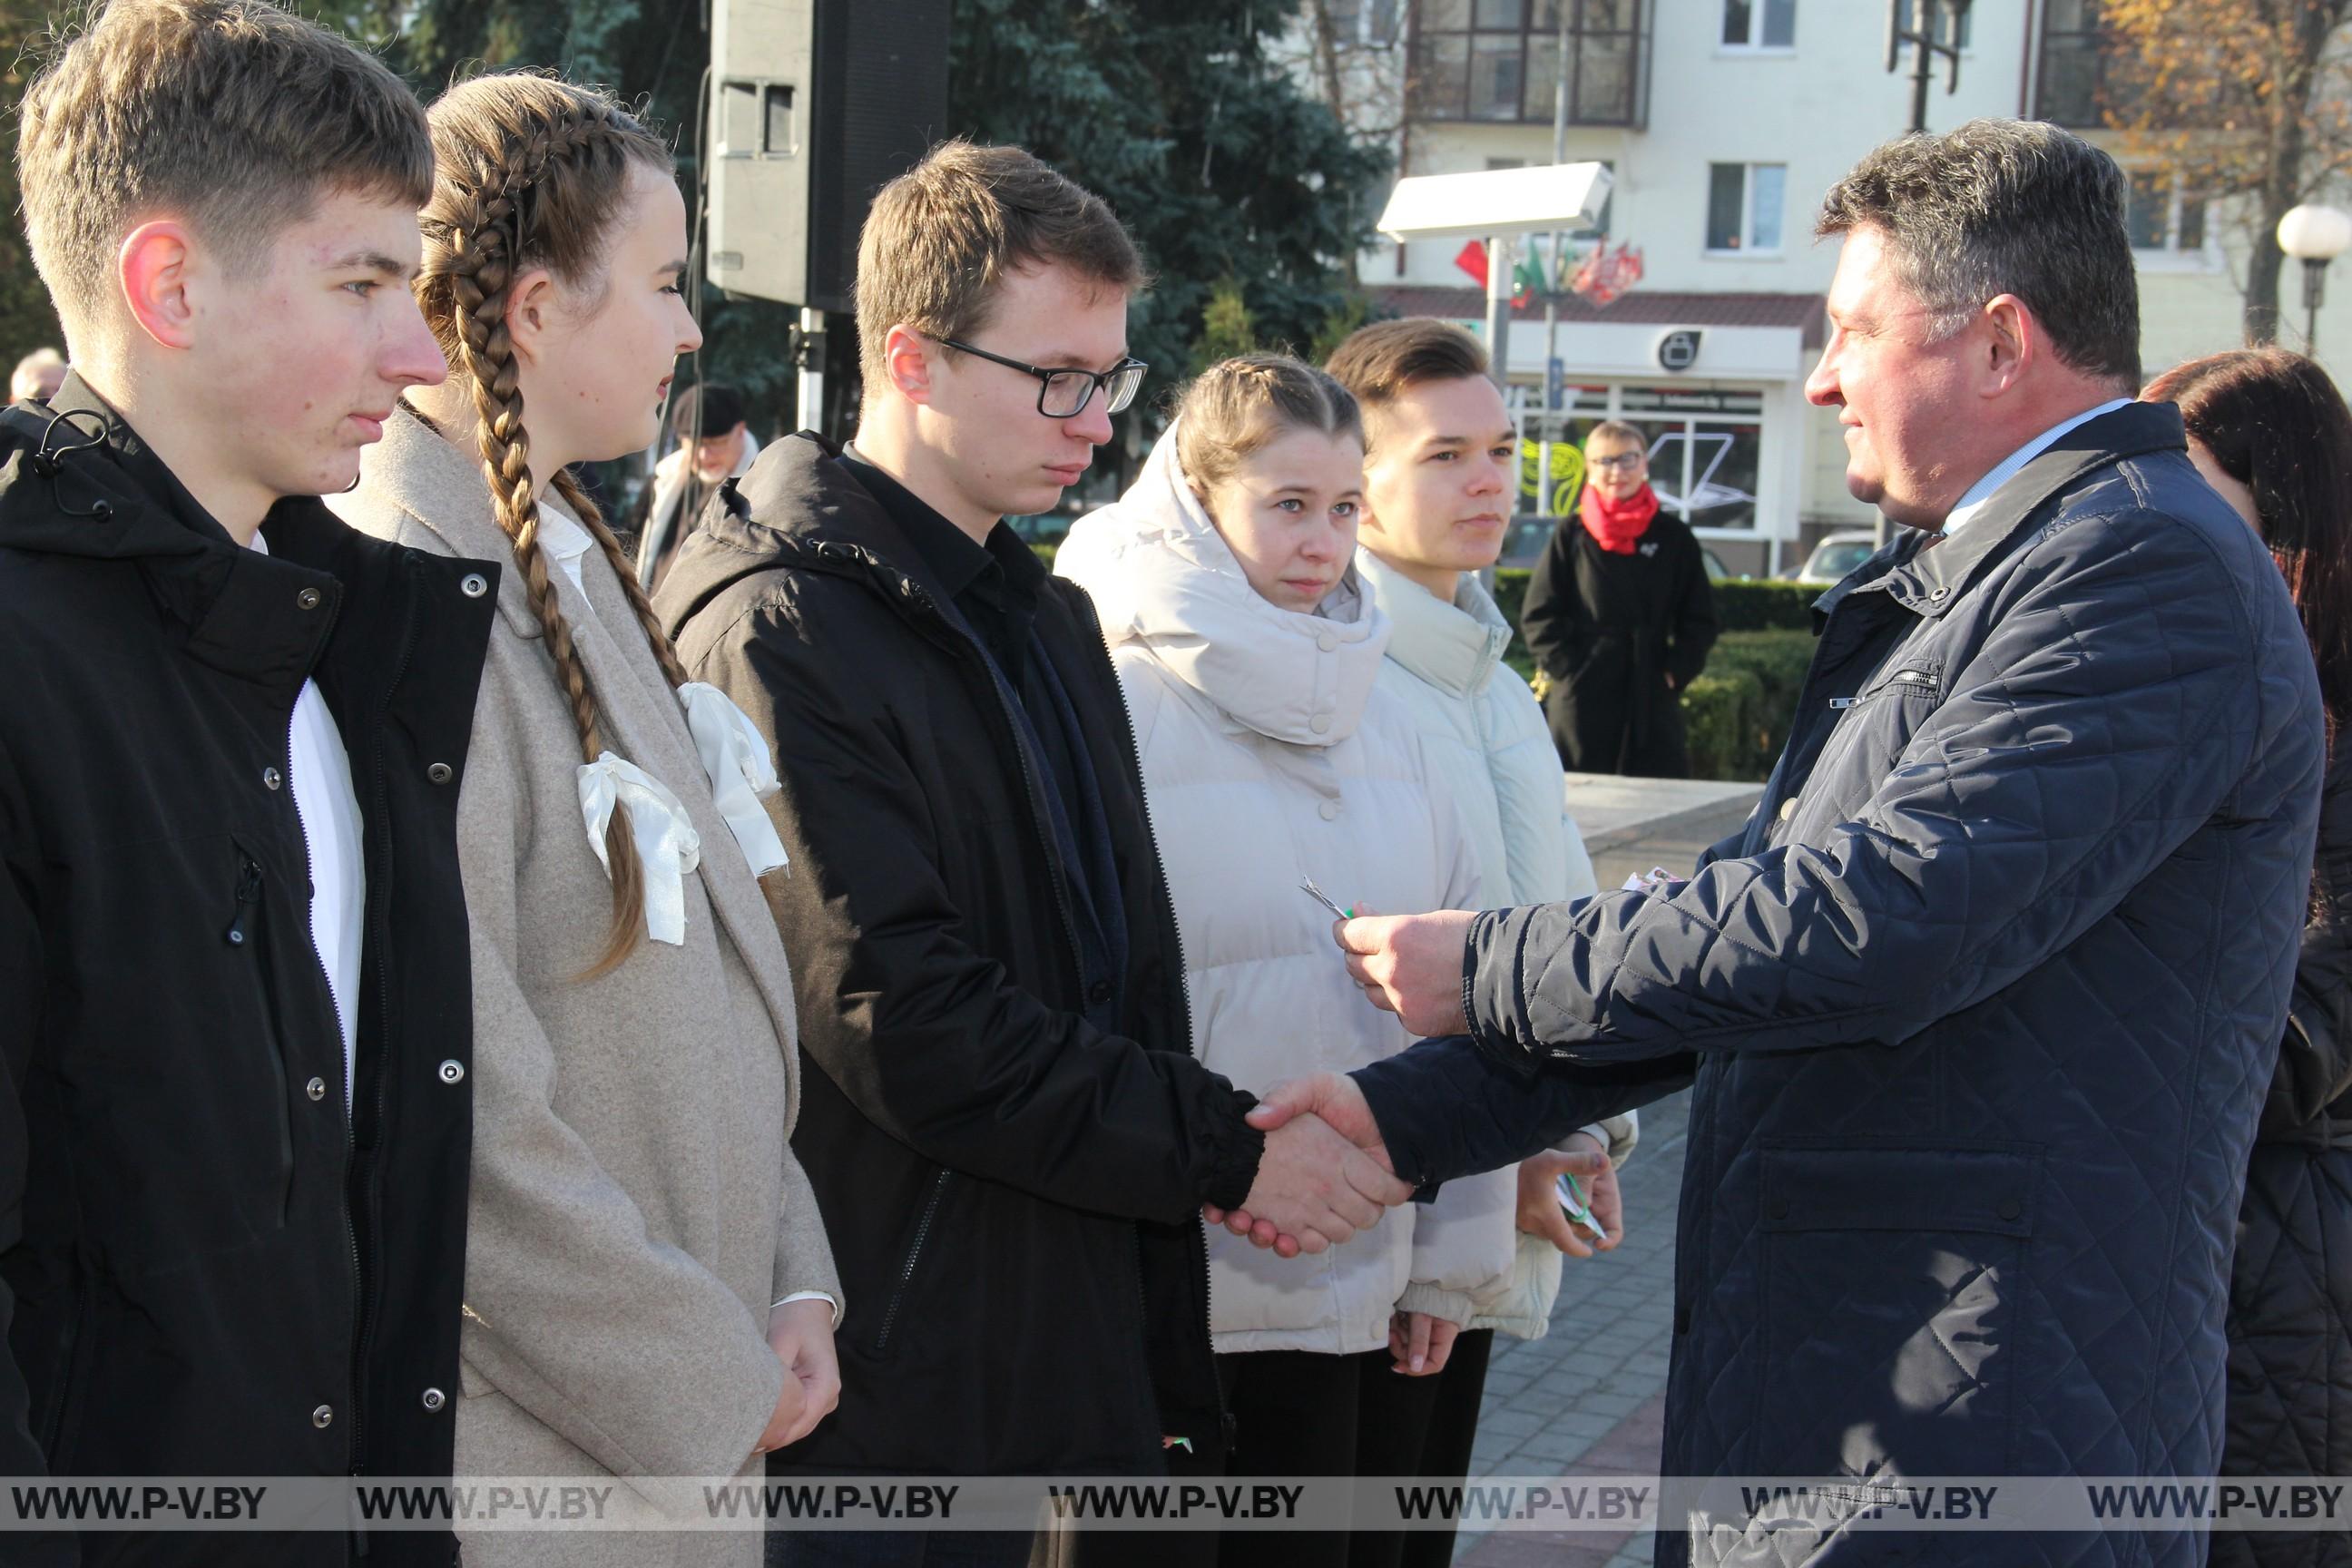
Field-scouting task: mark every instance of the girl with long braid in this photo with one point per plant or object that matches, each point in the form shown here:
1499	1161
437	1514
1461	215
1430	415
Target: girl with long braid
648	1289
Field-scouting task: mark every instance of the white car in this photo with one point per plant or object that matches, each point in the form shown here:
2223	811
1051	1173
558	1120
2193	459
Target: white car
1835	556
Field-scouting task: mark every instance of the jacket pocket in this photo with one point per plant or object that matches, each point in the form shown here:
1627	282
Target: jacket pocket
246	930
910	1258
1894	1284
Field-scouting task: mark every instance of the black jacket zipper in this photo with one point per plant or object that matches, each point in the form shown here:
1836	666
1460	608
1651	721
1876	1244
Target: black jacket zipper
906	1269
378	917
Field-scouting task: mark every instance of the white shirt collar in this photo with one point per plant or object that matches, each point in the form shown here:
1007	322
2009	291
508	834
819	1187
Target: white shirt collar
2007	470
565	540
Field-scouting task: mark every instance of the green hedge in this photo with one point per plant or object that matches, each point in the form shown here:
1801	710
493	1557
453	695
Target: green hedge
1738	714
1766	606
1751	606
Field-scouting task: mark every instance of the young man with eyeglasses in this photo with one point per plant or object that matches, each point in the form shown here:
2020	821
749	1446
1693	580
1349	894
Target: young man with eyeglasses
1009	1135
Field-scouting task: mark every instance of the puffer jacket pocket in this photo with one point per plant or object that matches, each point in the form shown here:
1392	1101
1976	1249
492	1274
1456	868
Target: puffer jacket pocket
1893	1280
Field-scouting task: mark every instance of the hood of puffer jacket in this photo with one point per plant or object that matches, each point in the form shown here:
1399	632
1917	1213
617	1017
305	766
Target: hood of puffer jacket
1160	575
1453	646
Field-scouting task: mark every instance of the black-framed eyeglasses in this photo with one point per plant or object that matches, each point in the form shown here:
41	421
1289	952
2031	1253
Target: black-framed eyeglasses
1064	393
1627	461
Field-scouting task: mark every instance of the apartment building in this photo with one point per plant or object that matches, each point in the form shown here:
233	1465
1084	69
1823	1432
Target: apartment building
1724	122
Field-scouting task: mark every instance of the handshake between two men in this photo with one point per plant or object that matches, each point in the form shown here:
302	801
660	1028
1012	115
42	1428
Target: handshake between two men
1326	1173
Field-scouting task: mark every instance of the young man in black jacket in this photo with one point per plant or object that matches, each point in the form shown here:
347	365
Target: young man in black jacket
1009	1136
234	1002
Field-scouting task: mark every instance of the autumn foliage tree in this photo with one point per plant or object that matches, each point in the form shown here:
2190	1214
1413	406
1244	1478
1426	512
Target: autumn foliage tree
2249	101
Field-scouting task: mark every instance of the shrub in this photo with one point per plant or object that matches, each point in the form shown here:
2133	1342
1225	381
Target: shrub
1766	606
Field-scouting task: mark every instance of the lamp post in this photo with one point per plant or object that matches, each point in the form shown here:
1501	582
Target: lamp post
2314	235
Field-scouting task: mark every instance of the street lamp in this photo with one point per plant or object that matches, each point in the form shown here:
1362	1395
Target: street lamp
1497	205
2314	235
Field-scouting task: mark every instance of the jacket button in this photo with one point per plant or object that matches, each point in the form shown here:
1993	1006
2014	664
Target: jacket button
1788	808
308	598
1327	642
1940	593
323	1417
1099	993
316	1089
453	1071
473	584
1777	1209
271	778
1329	811
2010	1208
440	773
1320	723
434	1399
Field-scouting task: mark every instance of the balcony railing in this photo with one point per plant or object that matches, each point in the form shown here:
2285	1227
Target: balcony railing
1500	60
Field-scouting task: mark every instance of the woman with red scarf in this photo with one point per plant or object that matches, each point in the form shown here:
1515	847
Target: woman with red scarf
1620	616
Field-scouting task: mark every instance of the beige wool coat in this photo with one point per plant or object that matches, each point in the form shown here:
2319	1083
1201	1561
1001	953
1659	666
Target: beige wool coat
636	1207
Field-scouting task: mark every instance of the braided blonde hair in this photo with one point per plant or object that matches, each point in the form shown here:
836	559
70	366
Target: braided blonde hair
533	172
1224	415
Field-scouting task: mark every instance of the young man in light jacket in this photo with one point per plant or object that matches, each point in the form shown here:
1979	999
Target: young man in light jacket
1440	468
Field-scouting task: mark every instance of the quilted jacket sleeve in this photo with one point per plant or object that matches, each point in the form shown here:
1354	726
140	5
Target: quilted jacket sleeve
2109	710
1446	1107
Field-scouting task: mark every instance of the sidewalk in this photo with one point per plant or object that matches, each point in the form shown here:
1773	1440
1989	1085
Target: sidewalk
1589	1397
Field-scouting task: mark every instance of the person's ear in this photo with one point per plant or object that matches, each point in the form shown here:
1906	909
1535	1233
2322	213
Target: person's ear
531	313
2010	343
907	363
162	273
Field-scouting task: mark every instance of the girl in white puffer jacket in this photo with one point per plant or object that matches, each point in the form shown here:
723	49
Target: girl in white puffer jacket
1249	652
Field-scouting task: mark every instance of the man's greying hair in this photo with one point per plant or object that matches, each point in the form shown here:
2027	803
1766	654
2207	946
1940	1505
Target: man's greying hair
2005	207
232	115
940	238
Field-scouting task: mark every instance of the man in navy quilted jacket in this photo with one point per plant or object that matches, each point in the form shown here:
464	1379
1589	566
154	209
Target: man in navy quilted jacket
1979	1008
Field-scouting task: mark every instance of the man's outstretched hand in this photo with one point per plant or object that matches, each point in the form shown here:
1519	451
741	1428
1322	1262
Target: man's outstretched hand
1411	965
1322	1147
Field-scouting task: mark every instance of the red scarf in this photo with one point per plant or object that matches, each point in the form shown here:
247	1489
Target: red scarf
1615	525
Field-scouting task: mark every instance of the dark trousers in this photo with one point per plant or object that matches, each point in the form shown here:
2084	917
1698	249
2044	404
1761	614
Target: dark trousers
1299	1414
1447	1435
897	1548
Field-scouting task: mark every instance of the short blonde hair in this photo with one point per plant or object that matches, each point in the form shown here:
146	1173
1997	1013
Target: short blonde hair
940	238
1232	410
231	115
1617	430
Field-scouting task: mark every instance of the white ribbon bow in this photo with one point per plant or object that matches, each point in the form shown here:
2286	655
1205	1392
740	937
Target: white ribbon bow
735	757
667	846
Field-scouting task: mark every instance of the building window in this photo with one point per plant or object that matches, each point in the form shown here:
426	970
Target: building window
1705	447
1375	22
1743	206
2071	83
1904	11
1501	59
1759	24
2162	216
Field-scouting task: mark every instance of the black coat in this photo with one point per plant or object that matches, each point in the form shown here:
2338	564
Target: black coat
1981	1004
1610	631
205	1268
1013	1194
2290	1399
